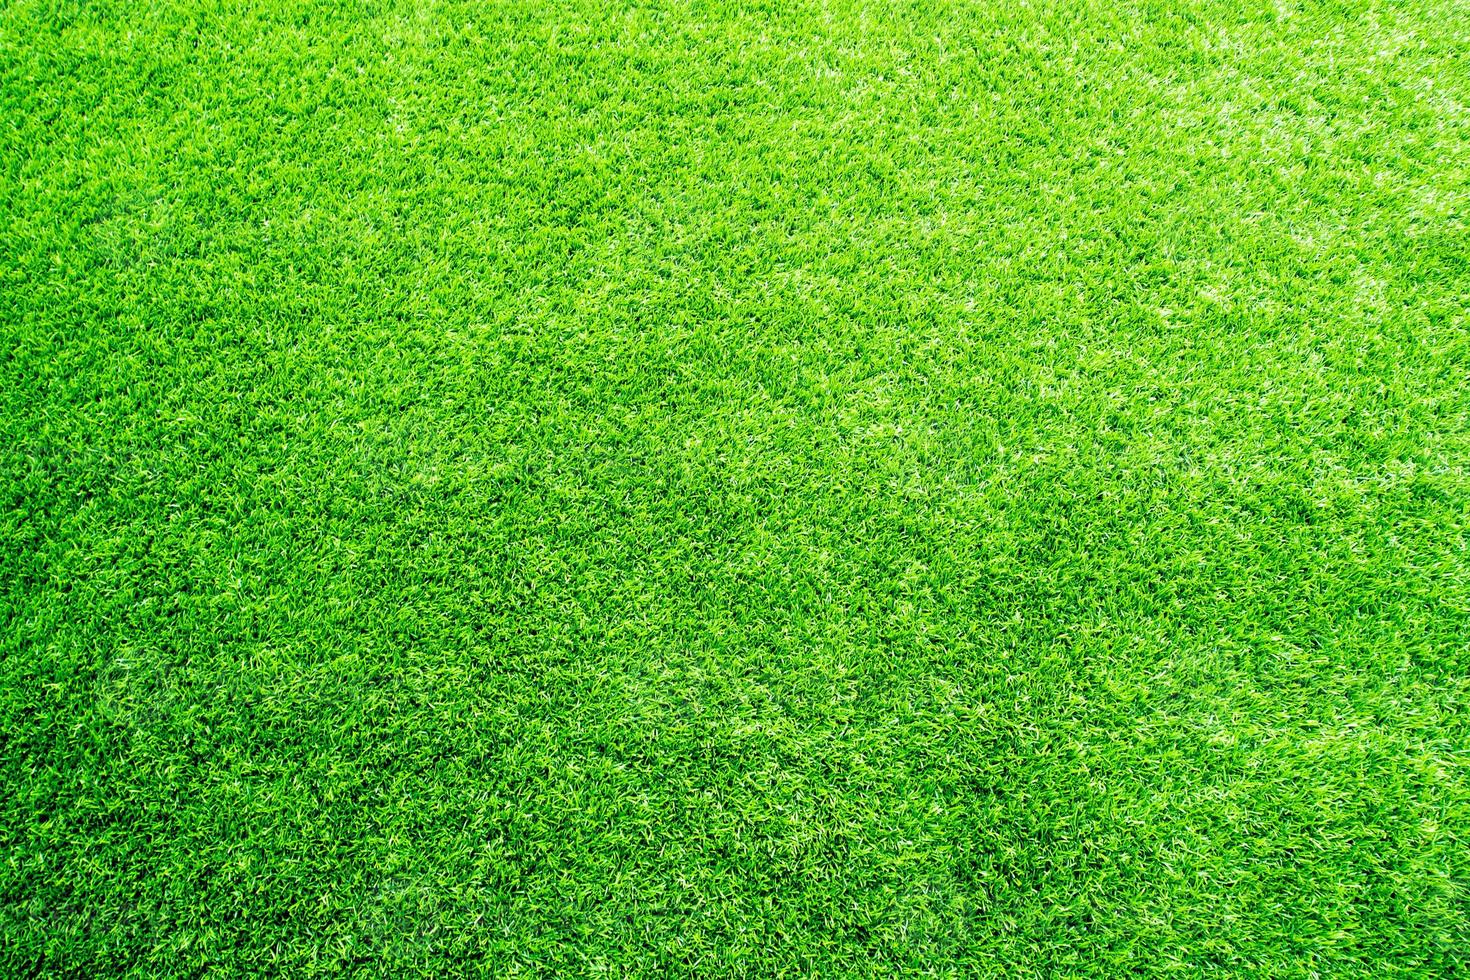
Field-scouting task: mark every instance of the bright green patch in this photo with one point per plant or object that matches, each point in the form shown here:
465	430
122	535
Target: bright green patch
807	488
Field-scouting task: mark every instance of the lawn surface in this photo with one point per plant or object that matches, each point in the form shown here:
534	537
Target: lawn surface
802	488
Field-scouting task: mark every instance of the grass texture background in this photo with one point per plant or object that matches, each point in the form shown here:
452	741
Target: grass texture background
809	488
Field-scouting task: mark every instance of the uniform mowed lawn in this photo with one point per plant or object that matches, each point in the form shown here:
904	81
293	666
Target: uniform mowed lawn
806	488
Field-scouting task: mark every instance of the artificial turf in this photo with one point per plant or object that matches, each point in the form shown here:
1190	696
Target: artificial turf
821	488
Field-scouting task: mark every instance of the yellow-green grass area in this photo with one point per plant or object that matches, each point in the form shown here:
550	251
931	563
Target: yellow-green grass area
817	488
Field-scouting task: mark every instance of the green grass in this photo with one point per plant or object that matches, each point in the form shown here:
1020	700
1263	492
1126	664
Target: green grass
812	488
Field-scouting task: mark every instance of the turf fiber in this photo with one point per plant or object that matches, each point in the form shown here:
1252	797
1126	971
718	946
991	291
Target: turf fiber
805	488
